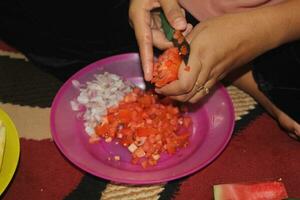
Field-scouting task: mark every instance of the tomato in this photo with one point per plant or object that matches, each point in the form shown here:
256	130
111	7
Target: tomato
146	100
124	115
102	130
187	122
146	126
146	131
127	140
171	147
126	131
165	70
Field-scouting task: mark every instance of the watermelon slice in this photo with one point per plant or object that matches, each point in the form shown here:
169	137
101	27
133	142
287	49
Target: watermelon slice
268	190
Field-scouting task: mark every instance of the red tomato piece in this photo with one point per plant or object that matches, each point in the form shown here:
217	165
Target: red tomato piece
146	131
146	126
102	130
165	70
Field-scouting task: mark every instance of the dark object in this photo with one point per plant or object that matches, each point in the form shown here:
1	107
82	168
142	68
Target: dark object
277	75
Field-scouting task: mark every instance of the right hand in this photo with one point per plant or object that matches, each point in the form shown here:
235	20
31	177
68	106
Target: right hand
218	46
148	31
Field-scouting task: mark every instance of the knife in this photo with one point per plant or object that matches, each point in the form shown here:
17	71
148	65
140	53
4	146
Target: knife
176	37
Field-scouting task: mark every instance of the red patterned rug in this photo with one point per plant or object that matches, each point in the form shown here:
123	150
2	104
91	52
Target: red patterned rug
259	150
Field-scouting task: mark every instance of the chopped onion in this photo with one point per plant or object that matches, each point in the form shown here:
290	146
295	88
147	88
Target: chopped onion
95	96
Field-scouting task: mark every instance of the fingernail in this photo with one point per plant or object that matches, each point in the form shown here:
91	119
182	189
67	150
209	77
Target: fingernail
179	23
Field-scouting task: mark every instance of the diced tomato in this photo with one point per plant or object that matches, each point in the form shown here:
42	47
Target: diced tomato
94	139
102	130
152	162
145	126
131	97
146	100
126	132
135	160
184	51
146	131
187	121
127	140
125	115
187	68
110	118
136	90
182	139
144	164
139	152
171	147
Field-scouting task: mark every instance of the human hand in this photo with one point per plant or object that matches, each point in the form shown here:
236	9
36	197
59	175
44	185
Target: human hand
147	27
218	46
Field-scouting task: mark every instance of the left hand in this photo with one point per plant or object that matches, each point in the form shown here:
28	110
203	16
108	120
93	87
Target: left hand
218	46
147	27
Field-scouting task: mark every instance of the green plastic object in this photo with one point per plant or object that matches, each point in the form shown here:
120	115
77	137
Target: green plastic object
169	31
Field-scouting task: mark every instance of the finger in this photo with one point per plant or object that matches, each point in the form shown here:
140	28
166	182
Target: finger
188	29
181	86
186	79
142	23
183	12
160	41
204	92
159	38
174	14
186	97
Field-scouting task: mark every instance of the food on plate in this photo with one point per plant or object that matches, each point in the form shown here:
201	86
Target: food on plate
146	126
267	190
142	122
2	141
165	69
105	90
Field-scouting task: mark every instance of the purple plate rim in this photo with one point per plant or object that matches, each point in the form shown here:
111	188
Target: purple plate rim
121	57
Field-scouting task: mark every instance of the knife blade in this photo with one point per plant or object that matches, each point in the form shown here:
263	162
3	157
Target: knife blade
176	37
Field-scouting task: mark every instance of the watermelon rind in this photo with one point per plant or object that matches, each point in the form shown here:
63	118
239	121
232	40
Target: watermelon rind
267	190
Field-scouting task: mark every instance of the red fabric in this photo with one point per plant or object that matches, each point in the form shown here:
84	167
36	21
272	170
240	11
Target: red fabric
260	152
43	173
5	47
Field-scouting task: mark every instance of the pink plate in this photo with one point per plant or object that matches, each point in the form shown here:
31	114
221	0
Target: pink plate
213	122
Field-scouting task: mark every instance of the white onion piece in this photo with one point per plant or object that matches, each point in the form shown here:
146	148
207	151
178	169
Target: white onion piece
95	96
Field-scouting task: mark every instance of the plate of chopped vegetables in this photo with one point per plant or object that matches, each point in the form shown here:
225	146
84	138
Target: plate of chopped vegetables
108	122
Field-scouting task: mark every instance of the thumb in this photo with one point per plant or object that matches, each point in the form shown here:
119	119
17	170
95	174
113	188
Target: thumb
174	14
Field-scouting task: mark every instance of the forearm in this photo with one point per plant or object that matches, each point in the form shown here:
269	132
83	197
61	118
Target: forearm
282	22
